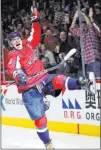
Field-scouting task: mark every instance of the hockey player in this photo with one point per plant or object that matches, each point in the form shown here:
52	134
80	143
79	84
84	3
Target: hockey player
22	62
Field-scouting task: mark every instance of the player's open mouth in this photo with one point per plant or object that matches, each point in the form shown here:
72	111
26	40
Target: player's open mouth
17	44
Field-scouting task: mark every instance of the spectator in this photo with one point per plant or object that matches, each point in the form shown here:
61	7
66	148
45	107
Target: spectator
63	42
46	64
58	15
97	15
47	53
51	39
65	22
90	44
91	16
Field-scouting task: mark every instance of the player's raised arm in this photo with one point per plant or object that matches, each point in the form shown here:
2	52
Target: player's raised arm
35	33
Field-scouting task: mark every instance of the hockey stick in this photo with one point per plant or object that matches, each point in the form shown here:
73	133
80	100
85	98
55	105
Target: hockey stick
69	54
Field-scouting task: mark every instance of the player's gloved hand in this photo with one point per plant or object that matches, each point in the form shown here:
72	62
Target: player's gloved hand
35	14
20	76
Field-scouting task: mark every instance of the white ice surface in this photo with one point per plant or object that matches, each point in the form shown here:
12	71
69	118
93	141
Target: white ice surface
15	137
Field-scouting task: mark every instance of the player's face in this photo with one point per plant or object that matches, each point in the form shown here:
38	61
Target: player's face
17	43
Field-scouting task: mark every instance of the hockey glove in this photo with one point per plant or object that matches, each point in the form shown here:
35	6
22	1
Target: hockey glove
19	76
35	14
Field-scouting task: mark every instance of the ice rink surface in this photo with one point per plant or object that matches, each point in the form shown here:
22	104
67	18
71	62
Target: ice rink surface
15	137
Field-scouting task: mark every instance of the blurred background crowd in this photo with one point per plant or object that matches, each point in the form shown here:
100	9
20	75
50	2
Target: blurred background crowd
60	26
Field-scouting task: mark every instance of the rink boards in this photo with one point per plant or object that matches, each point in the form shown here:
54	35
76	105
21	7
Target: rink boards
76	112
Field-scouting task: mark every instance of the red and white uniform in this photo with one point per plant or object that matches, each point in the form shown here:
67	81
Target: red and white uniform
27	60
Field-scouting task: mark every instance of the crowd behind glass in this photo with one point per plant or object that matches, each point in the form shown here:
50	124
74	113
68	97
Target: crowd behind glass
60	32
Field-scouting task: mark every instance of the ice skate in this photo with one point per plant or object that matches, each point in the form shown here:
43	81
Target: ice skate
49	145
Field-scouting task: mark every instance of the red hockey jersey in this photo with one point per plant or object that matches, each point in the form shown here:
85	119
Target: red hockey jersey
27	60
